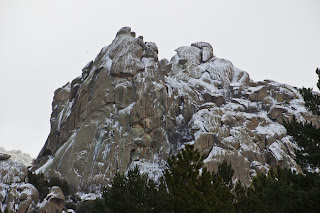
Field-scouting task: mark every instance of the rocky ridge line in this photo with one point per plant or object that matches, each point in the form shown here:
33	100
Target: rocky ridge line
129	108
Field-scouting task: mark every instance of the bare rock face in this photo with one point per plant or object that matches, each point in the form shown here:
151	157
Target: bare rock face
129	108
114	119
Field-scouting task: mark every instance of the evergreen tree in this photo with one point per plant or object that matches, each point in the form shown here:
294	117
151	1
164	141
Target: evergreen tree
306	135
308	140
280	191
133	192
222	183
193	188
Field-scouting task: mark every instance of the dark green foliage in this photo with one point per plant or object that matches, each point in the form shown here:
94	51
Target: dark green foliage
308	139
305	134
222	183
280	191
186	187
225	173
188	191
99	206
54	181
43	185
85	207
40	183
71	205
133	192
193	191
311	100
92	206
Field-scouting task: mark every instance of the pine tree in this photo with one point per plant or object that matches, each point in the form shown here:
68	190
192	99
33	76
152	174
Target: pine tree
306	135
222	183
190	186
133	192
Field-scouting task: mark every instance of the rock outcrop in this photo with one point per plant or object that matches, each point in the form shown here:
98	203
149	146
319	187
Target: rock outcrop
16	195
54	202
110	117
129	108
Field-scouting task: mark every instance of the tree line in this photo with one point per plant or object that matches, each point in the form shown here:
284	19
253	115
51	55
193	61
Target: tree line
187	186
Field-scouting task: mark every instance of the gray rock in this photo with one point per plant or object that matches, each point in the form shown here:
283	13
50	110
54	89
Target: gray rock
189	54
131	109
207	54
4	156
201	45
124	31
54	201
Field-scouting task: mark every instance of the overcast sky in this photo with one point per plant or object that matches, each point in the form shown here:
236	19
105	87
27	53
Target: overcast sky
44	44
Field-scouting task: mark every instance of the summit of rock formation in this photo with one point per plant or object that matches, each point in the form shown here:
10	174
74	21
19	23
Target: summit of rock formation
128	108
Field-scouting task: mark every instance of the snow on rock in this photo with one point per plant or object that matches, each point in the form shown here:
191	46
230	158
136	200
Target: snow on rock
88	196
15	193
17	155
54	201
129	109
112	116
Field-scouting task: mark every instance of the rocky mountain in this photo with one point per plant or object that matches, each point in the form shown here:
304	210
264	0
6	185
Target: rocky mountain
128	108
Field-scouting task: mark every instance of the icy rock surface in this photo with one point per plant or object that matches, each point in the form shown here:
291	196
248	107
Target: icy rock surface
16	195
128	108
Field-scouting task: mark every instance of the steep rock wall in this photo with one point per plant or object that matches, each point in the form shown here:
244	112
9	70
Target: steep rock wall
129	108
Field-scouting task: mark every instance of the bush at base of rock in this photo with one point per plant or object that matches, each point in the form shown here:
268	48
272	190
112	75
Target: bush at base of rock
92	206
43	185
186	187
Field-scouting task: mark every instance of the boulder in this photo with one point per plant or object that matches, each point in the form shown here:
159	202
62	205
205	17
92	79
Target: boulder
258	94
54	201
12	172
207	54
124	31
201	45
24	205
206	50
86	70
189	54
276	113
4	156
205	141
217	99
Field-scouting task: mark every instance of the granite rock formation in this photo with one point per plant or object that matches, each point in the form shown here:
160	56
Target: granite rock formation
129	108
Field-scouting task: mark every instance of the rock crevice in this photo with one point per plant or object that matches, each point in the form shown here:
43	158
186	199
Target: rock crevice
128	108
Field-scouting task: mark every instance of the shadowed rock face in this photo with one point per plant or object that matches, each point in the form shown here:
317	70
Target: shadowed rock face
128	108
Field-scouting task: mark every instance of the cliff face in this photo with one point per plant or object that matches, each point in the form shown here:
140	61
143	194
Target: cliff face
129	108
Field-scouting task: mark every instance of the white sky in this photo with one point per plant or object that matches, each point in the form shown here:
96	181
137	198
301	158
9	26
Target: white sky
44	44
